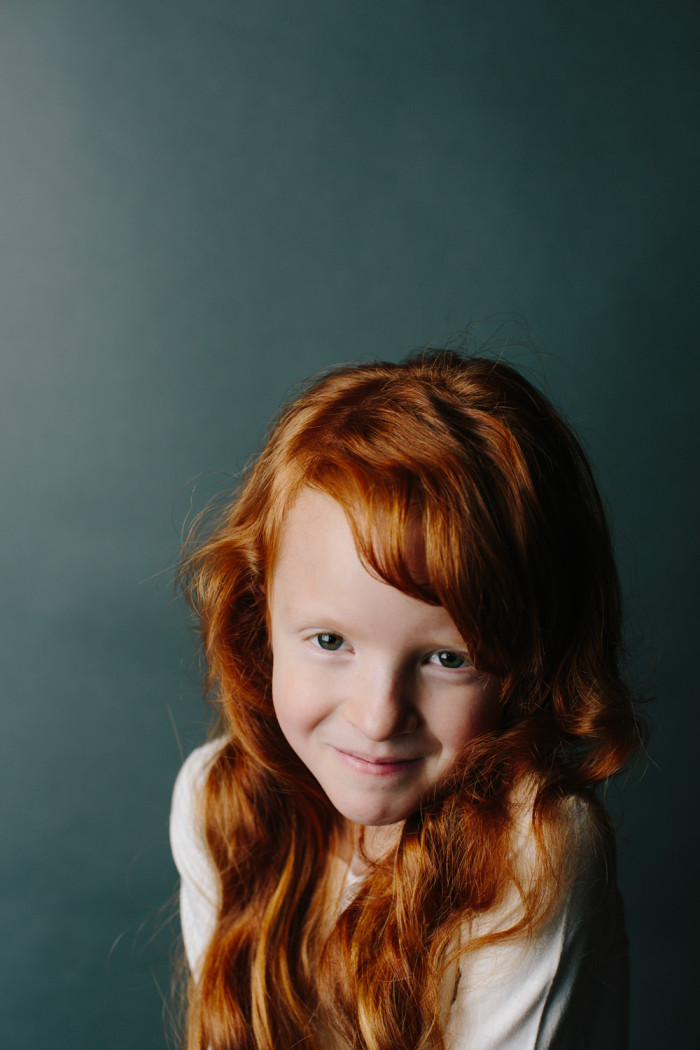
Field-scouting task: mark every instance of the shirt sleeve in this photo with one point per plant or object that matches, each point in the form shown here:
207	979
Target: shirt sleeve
199	885
565	988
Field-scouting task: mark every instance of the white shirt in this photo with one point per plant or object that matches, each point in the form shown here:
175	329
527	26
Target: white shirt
566	988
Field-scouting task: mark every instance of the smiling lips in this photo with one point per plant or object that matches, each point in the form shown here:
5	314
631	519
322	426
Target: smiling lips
378	767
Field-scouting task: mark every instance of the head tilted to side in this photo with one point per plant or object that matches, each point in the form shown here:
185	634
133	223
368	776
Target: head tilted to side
464	489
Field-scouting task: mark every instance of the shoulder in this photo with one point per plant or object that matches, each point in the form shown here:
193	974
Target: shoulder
580	851
186	832
566	984
194	770
199	883
575	843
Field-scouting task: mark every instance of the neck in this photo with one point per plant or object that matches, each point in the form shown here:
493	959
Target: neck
360	844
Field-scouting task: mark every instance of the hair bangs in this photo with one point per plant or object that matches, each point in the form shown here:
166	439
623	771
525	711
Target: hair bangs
386	519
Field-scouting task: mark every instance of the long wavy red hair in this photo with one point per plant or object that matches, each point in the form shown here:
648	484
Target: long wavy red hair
518	550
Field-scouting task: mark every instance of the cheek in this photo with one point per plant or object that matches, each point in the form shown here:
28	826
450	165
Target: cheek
283	689
480	714
490	707
283	698
294	699
289	717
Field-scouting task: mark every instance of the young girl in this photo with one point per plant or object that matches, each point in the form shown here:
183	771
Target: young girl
411	618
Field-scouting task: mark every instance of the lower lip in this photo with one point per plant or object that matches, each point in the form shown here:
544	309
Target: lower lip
375	769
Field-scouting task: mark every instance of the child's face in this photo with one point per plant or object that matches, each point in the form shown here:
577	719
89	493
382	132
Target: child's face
373	689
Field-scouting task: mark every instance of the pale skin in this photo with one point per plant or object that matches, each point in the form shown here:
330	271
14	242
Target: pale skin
373	689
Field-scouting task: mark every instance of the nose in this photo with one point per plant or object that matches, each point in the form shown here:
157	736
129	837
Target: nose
382	705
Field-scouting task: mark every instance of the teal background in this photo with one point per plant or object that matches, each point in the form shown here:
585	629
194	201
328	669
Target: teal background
200	204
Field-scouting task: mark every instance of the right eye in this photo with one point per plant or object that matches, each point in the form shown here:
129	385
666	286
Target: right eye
329	641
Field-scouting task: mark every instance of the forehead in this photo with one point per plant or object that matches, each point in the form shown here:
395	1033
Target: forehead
316	523
319	576
315	542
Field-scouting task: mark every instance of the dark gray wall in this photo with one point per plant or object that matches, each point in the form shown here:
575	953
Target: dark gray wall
201	203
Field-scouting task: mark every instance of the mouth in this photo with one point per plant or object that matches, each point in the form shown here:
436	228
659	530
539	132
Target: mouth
378	767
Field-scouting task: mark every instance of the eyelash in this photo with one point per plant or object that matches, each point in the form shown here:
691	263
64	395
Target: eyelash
339	640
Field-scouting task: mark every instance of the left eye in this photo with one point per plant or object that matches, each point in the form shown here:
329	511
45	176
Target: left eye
329	641
449	658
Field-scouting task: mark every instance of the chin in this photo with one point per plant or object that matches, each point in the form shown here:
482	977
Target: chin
372	816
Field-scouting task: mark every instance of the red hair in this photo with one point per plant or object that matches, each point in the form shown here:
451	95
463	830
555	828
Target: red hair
517	549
